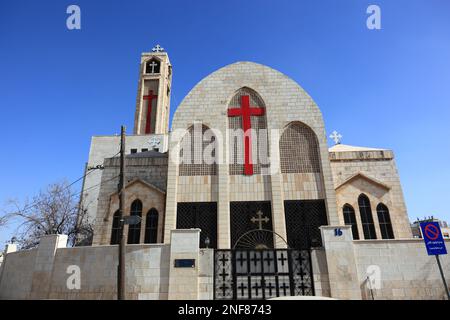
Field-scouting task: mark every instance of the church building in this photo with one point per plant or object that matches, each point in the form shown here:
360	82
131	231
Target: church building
245	190
282	173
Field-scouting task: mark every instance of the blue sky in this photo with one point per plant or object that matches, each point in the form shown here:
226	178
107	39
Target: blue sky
384	88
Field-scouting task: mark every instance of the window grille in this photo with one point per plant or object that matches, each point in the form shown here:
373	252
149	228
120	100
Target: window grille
134	230
151	226
299	150
115	232
303	219
193	153
202	215
385	222
350	219
366	217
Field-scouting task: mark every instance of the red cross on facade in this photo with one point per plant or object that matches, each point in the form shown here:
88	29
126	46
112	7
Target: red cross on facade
245	112
150	98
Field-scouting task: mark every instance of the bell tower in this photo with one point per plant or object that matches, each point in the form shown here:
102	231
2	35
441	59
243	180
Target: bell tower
153	98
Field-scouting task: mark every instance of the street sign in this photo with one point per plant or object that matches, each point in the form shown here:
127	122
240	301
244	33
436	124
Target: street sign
132	220
432	236
434	242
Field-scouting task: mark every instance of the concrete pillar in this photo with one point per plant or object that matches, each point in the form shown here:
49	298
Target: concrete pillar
206	275
341	262
223	209
278	217
43	265
170	220
10	247
183	279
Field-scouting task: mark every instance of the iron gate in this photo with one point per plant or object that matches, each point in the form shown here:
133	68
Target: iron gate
262	274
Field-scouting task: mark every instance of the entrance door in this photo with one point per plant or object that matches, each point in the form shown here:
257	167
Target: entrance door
262	274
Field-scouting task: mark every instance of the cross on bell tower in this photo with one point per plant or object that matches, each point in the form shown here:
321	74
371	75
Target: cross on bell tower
153	98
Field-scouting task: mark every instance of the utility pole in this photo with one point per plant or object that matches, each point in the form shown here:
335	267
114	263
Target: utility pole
121	267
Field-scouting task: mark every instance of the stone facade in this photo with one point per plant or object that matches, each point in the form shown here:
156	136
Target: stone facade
286	103
145	177
371	172
103	147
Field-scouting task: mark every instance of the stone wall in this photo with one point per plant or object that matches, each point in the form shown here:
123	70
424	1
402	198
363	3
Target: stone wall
397	269
407	272
340	269
17	274
42	273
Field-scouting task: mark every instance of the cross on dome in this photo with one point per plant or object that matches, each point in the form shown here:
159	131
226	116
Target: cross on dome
336	137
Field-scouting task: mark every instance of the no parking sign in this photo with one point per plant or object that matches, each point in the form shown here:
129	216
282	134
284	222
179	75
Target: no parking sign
433	239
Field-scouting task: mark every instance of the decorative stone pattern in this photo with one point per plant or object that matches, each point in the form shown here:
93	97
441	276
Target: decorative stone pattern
305	186
197	188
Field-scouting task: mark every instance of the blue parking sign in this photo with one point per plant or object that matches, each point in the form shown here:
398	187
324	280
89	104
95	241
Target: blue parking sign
432	236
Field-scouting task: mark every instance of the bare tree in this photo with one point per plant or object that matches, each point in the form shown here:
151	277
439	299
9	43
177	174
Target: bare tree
2	221
55	210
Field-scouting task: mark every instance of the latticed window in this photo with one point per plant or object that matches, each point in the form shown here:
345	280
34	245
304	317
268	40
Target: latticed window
257	137
115	232
350	219
152	66
134	230
385	222
197	152
303	219
151	226
202	215
299	150
366	217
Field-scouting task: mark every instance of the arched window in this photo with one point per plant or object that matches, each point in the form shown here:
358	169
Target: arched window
350	219
248	136
115	232
151	226
134	230
153	66
299	149
198	152
366	217
385	222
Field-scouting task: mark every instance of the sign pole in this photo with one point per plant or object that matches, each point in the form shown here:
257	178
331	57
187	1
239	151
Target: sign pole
435	244
442	275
